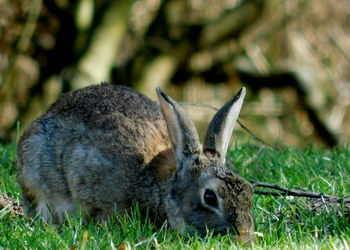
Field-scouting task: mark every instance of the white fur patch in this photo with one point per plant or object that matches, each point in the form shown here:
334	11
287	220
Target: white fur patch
43	211
64	206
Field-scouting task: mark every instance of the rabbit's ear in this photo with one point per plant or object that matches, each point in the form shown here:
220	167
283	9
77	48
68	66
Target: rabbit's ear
221	127
183	134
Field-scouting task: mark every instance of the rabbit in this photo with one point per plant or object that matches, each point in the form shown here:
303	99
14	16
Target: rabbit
104	148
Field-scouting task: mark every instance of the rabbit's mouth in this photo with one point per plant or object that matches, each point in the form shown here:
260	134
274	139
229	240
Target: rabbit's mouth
242	235
246	236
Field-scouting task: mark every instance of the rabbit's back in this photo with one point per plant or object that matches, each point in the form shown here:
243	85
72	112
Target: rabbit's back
89	147
103	100
113	119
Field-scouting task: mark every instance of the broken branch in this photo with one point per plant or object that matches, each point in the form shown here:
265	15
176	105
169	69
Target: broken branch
291	192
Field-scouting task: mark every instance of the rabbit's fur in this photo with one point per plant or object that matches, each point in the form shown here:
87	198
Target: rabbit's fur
105	148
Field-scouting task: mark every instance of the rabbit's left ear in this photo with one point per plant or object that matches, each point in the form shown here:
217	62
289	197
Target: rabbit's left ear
183	134
221	127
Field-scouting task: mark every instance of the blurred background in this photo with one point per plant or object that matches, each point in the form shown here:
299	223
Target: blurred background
292	56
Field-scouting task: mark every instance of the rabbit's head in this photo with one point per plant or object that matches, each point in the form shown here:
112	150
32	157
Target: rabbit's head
204	193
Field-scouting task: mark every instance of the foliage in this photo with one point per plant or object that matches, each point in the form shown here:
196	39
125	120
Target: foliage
281	222
294	61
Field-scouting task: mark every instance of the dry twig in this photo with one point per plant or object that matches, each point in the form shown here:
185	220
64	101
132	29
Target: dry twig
290	192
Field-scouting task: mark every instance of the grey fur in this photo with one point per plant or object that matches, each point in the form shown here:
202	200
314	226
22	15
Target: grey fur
105	147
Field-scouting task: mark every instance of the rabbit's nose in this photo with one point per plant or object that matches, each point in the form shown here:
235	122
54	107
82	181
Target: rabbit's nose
246	236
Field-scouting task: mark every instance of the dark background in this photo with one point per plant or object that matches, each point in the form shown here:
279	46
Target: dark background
293	57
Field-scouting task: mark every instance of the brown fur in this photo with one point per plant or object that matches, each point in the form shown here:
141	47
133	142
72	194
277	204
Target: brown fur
163	165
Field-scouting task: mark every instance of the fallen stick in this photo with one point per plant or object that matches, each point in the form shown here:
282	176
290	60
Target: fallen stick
291	192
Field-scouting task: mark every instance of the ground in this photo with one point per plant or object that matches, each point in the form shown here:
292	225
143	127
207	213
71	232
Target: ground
14	207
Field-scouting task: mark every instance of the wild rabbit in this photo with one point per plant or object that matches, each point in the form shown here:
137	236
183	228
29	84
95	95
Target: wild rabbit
105	148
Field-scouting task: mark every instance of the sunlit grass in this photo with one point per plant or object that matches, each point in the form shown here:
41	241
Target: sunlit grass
281	222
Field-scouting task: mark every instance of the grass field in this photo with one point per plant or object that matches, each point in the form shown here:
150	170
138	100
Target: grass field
281	222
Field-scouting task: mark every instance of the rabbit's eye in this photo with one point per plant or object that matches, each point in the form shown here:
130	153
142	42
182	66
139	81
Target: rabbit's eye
210	198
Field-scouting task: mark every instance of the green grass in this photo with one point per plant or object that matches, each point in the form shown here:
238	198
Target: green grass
282	222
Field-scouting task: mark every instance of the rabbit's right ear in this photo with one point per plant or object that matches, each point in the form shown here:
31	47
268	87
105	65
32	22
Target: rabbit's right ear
221	127
183	134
